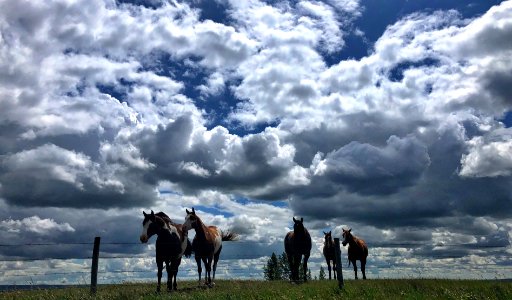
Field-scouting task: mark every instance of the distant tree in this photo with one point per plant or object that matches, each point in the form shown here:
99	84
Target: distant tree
284	266
321	276
272	270
301	272
277	268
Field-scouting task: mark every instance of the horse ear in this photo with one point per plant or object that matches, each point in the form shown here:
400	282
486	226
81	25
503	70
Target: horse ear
330	232
188	213
144	213
302	220
350	230
193	211
324	232
294	219
152	213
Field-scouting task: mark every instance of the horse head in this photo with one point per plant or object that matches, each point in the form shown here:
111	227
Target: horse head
347	236
148	225
191	220
298	225
327	238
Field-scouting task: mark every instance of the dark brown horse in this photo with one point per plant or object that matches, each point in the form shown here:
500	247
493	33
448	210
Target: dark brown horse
207	244
171	244
296	244
357	250
330	253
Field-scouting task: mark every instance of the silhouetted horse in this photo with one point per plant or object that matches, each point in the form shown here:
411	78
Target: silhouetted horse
296	244
206	245
171	244
357	250
330	253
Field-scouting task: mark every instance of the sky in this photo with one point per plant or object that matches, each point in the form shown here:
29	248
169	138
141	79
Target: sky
391	118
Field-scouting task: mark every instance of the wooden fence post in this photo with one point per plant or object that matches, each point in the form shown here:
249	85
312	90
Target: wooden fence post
339	269
94	265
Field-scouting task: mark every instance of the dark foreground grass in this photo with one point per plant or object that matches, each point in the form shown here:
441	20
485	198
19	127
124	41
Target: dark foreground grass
245	289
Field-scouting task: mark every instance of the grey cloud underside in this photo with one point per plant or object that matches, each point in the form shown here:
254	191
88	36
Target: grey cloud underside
168	149
439	193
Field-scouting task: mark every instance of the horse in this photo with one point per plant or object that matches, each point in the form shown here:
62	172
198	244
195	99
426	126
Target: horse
357	250
206	245
330	253
296	244
171	244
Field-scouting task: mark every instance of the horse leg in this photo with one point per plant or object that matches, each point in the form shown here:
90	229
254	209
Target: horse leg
329	267
355	266
209	260
199	268
296	263
215	260
363	267
204	259
334	268
169	275
292	266
160	266
175	264
306	257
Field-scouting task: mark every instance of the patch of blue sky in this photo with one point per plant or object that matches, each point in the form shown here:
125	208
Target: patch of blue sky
214	210
244	201
397	72
377	15
169	192
118	91
217	107
154	4
216	11
507	119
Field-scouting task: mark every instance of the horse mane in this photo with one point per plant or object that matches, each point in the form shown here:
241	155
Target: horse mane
164	216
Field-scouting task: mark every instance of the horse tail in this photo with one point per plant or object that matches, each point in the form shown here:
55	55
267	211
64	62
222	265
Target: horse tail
229	236
188	250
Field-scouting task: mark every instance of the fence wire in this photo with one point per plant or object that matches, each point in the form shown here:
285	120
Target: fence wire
225	265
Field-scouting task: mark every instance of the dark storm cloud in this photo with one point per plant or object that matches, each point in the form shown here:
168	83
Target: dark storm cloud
440	192
499	84
119	232
222	161
52	176
372	128
366	169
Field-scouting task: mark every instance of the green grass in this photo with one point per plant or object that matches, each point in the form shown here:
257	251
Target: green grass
245	289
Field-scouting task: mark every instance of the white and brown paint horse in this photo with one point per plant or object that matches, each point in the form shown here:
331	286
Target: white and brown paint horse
171	244
329	251
357	250
207	244
297	243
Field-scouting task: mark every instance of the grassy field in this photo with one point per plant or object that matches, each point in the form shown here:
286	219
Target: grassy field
244	289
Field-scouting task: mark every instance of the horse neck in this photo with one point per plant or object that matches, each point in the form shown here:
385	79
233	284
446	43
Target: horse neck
201	229
353	241
300	233
329	243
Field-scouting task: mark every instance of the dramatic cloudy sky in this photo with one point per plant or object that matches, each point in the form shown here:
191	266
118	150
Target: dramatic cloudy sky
390	117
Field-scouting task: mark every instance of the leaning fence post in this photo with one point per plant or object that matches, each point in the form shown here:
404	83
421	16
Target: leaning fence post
94	265
339	269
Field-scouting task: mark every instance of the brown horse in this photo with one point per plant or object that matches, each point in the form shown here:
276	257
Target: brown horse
330	253
296	244
207	244
357	250
171	244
